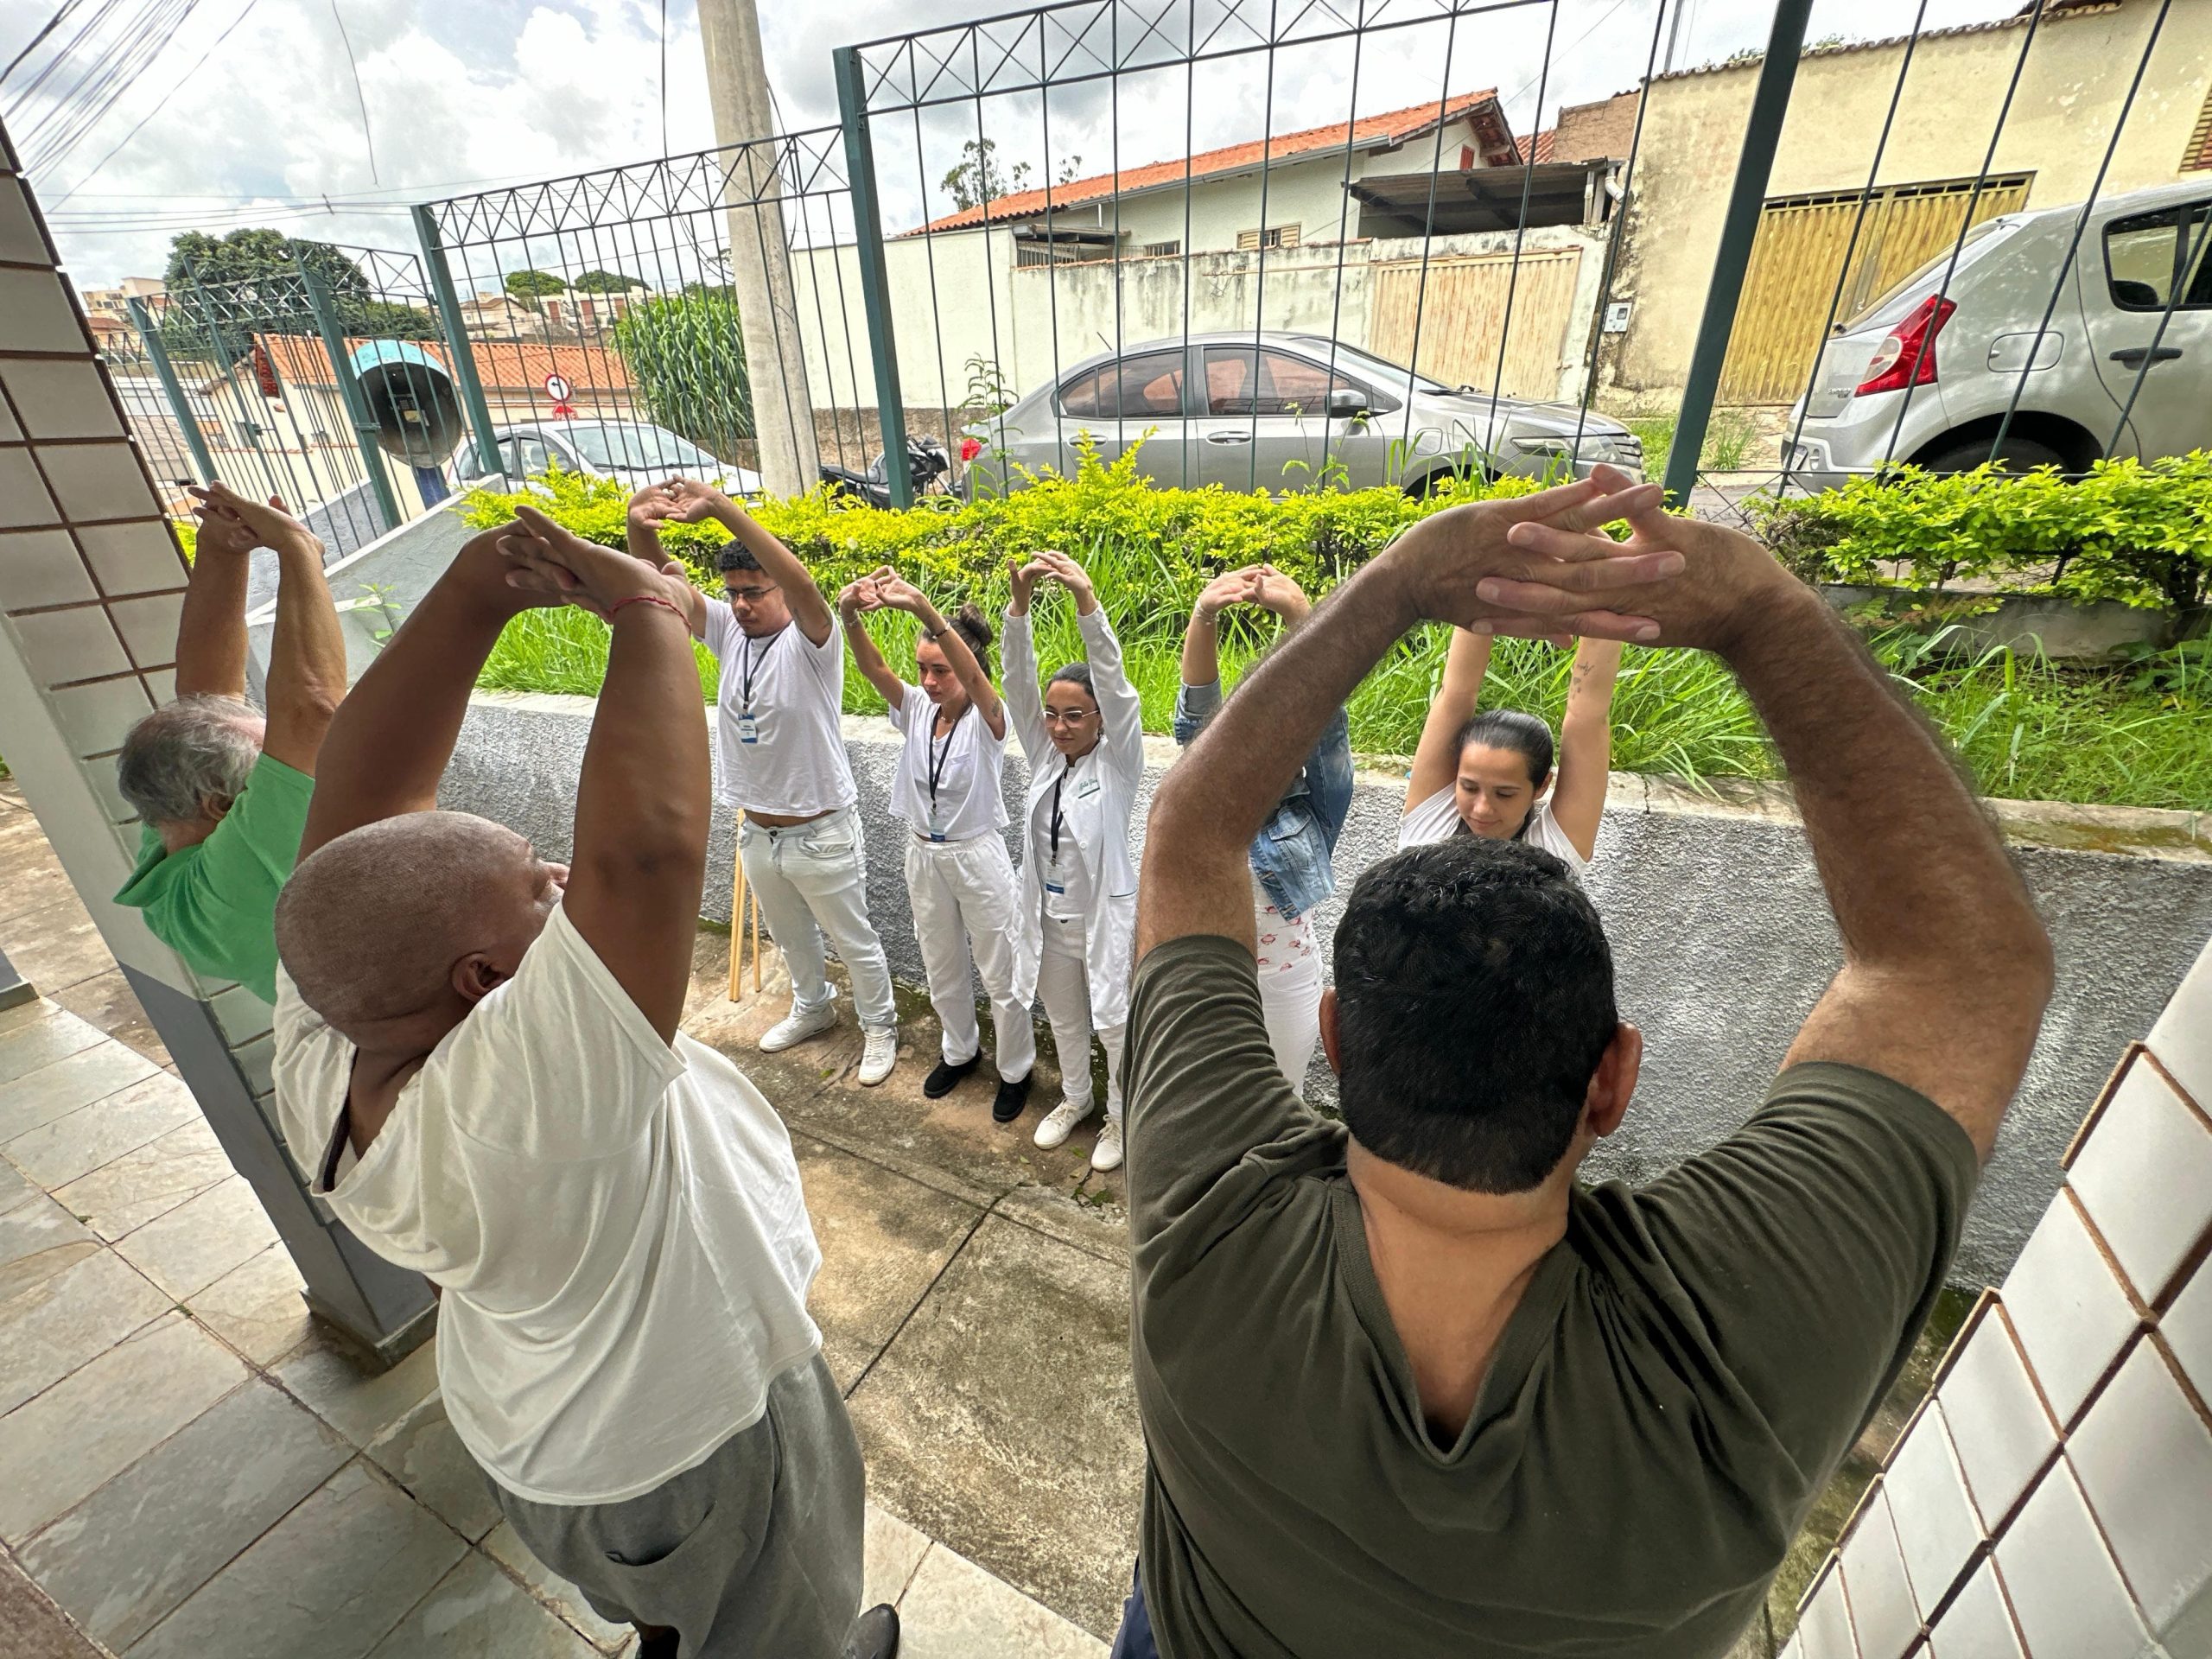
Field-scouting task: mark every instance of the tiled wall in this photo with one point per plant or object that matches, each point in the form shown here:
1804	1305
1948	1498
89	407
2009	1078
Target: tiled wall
2052	1499
91	584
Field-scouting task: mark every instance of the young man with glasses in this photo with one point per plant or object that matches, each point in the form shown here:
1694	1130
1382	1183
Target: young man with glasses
779	760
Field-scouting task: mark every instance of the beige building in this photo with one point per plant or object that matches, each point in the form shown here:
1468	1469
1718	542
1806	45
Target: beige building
115	302
2072	85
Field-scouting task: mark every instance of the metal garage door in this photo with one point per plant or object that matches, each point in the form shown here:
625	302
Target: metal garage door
1801	247
1463	313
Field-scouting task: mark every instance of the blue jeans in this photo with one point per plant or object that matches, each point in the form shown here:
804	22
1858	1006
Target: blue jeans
1133	1640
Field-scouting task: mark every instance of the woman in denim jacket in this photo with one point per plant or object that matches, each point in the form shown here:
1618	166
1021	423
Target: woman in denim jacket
1291	858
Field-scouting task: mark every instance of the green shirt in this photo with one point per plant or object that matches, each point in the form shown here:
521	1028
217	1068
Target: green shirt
215	904
1687	1368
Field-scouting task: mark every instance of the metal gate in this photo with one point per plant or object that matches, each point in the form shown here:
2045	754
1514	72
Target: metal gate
1802	245
1472	305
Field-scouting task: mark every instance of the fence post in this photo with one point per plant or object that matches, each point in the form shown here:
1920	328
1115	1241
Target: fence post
158	355
1769	103
349	394
462	360
875	281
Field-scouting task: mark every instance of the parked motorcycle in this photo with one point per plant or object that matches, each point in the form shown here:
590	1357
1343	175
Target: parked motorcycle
928	468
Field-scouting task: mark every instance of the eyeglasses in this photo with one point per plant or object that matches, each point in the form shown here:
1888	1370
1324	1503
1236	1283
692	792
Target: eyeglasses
1068	716
750	595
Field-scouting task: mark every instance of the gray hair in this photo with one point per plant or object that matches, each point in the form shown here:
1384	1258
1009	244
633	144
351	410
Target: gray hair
186	753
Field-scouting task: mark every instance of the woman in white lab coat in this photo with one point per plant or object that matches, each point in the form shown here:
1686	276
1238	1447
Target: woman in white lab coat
1084	741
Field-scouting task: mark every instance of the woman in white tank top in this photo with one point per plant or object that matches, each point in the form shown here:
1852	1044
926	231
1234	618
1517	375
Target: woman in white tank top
959	878
1492	774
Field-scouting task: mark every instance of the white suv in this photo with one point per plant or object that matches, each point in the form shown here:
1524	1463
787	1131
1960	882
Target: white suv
1927	372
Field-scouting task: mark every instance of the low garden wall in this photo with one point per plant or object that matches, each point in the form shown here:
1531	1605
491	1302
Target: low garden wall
1720	931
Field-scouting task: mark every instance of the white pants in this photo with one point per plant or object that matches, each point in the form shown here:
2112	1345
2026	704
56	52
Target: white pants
812	879
1290	990
1063	987
966	898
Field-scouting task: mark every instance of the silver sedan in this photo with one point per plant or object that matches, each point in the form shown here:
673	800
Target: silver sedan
1282	412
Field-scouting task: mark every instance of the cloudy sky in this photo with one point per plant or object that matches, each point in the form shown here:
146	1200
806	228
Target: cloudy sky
458	97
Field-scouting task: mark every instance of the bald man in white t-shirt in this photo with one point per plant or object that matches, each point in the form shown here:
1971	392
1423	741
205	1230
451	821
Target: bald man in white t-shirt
781	762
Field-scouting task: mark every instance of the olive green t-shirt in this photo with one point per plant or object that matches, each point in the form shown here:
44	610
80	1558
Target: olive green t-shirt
1685	1372
215	904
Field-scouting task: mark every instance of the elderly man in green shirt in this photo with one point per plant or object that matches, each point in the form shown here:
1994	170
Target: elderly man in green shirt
222	788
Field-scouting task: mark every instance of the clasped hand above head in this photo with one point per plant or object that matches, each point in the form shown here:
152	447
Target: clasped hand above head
685	500
232	523
1050	565
558	567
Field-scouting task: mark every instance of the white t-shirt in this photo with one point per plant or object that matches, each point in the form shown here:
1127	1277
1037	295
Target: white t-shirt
1066	873
617	1224
1437	819
794	763
968	764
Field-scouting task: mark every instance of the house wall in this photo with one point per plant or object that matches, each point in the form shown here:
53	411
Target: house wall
2070	93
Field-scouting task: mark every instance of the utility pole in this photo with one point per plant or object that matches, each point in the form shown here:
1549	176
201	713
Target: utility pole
759	259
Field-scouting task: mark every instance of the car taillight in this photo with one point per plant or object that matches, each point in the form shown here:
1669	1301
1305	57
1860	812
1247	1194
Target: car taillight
1906	356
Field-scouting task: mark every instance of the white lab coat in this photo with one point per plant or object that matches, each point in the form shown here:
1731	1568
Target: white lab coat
1098	819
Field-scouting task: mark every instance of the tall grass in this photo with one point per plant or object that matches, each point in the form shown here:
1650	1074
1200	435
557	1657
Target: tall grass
2136	734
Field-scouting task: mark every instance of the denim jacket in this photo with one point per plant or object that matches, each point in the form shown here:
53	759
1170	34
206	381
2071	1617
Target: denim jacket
1292	855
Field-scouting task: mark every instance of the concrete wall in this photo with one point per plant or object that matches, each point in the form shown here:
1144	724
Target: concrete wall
1721	936
2070	92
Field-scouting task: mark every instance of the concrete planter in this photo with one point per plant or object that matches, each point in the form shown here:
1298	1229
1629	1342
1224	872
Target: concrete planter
2061	629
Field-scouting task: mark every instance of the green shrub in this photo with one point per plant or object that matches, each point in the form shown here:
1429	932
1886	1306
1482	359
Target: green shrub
688	357
2132	531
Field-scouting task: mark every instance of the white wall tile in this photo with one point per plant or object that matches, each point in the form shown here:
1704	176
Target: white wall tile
66	399
2069	1309
132	558
2065	1591
2143	1458
162	683
8	430
1937	1530
95	480
2145	1175
2187	1328
41	567
101	774
2183	1037
36	314
243	1015
149	626
20	242
1824	1622
1998	1423
1979	1625
1885	1619
95	717
23	497
255	1059
61	646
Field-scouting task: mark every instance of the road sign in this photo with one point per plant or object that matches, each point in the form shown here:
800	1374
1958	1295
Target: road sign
558	388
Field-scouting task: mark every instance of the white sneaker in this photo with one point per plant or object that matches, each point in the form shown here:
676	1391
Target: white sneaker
1106	1155
879	1053
796	1028
1059	1123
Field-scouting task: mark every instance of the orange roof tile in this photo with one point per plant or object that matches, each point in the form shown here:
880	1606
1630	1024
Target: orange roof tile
1394	126
1543	142
503	365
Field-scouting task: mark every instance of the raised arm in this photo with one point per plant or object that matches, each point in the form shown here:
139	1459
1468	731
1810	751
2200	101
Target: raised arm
1121	710
642	804
1436	761
1946	967
211	625
1195	877
1024	698
894	590
693	502
1199	695
307	650
855	599
1586	742
641	535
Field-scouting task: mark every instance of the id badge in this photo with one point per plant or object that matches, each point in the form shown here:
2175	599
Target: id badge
937	834
748	729
1059	888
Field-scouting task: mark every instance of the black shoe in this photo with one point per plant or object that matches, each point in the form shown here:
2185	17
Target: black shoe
875	1634
945	1076
1012	1098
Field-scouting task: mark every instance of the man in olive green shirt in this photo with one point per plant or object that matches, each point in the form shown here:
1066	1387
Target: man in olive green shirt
221	789
1407	1389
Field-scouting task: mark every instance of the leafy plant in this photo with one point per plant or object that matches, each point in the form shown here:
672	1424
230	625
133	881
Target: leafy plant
687	356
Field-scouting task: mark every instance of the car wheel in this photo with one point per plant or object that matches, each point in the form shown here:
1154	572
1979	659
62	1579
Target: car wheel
1430	483
2015	455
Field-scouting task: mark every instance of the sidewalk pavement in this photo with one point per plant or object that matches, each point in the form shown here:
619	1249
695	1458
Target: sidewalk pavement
190	1467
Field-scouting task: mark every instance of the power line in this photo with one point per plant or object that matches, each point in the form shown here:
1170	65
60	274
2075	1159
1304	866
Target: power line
88	103
367	143
45	29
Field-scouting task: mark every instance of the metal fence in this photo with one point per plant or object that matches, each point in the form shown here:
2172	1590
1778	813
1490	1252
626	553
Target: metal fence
1420	281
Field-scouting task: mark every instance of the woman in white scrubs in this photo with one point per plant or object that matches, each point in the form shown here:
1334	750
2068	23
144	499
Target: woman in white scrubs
1493	773
1085	740
959	879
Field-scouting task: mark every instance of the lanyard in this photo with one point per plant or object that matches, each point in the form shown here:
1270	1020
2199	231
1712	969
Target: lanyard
1058	820
939	757
745	652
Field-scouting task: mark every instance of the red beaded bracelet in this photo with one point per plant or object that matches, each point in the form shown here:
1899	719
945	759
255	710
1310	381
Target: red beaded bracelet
669	605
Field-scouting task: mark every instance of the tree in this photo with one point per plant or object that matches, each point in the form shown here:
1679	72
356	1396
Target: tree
532	286
223	290
978	179
604	281
687	358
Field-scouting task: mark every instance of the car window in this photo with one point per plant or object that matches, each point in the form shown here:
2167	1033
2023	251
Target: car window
1248	380
640	449
1146	387
467	465
2146	252
1080	395
528	457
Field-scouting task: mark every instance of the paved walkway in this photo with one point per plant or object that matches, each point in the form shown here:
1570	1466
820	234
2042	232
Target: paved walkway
189	1468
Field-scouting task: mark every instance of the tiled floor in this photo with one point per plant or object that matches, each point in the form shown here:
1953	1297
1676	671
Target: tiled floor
188	1468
